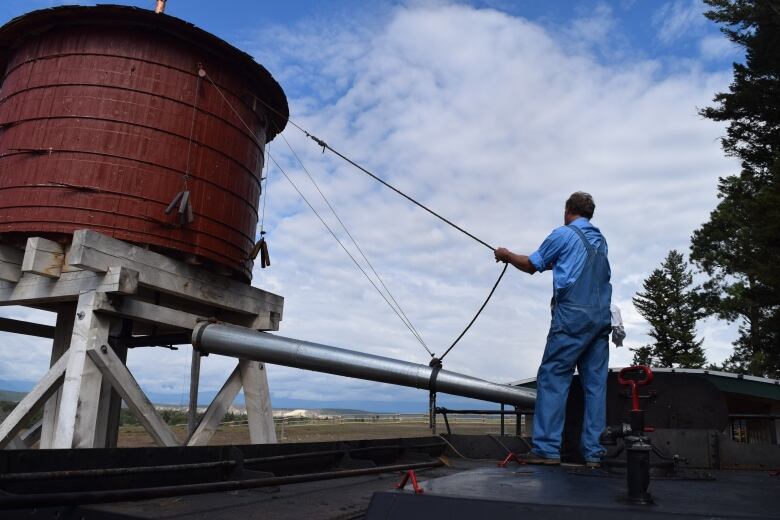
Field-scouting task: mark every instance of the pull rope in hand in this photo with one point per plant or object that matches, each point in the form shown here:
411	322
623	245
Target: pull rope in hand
503	271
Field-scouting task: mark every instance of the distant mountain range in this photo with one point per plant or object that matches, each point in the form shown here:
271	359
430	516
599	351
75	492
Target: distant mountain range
12	396
168	400
16	390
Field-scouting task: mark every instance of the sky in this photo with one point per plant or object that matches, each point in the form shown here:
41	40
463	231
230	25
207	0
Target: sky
489	112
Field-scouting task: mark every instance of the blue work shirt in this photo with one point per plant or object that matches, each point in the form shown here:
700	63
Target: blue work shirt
564	252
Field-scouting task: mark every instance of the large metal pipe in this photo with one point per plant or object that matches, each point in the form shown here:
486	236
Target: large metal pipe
227	340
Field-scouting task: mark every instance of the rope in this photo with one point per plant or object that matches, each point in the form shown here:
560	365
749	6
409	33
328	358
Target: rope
477	314
407	325
370	265
325	145
186	175
265	192
407	197
459	454
507	450
522	439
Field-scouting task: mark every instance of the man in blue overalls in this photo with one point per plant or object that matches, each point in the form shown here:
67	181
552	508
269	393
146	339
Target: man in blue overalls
579	332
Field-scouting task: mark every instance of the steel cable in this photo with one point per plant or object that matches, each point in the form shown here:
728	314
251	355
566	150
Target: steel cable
408	325
336	238
354	242
324	146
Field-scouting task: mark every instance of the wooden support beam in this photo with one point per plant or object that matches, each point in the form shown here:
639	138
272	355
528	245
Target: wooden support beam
122	330
34	289
145	312
157	340
77	418
30	404
66	314
16	444
31	435
216	411
26	439
27	328
192	411
99	433
263	321
94	251
258	402
43	257
125	384
10	263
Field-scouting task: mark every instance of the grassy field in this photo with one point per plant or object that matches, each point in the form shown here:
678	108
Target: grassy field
347	427
136	436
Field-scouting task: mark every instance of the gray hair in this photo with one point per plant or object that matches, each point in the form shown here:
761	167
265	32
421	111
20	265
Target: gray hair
581	203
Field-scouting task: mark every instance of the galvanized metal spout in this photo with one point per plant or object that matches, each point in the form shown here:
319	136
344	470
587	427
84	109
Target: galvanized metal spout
212	338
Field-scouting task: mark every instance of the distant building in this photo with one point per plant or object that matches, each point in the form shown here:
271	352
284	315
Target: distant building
744	408
300	413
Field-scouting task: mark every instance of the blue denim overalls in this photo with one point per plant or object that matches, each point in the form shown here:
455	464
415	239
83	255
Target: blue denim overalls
579	335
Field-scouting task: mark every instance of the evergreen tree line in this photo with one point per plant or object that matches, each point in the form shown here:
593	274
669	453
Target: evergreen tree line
738	249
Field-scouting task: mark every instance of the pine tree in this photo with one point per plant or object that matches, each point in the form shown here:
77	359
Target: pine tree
672	308
737	247
757	350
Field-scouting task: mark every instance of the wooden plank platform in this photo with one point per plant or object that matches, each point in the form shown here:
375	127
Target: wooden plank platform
95	252
43	257
32	289
10	263
110	294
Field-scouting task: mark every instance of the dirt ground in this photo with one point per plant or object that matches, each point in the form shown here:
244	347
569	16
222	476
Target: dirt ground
136	436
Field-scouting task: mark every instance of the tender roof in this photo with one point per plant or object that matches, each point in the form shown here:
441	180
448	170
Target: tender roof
36	22
725	381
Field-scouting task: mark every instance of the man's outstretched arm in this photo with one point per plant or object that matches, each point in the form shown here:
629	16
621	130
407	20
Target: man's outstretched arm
521	262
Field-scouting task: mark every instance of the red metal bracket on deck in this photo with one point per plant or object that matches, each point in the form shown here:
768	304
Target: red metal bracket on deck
409	475
509	458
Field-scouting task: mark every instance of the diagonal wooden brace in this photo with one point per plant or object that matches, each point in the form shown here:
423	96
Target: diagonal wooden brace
30	404
258	402
216	411
125	384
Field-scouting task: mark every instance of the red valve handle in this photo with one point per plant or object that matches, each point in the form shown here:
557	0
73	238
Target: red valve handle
638	382
634	383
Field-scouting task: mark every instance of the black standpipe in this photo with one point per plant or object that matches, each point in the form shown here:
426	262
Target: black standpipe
638	445
638	472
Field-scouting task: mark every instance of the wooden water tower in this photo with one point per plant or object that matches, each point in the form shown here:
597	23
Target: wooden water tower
131	151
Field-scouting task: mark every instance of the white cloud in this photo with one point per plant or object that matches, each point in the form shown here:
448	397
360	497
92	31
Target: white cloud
594	30
493	121
676	19
24	358
717	47
494	134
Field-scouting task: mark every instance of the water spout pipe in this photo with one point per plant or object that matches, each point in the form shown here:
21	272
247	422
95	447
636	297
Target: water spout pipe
238	342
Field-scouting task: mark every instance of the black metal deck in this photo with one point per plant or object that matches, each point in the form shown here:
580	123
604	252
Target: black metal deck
531	492
470	485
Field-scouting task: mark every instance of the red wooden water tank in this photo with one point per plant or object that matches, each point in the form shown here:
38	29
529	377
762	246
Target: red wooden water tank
104	119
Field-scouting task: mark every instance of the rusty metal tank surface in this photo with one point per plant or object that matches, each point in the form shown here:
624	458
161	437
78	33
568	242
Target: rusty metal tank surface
104	119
